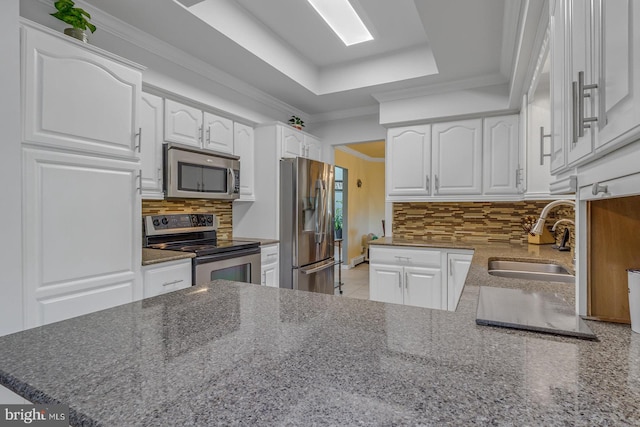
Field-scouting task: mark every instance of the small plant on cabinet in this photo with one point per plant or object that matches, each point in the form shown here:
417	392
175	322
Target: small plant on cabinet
296	122
76	17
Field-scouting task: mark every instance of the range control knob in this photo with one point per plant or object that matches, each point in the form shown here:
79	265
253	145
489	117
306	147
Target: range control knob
165	221
209	219
156	222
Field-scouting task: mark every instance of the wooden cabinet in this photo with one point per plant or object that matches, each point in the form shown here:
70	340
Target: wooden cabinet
182	123
408	161
429	278
151	146
166	277
501	168
81	178
269	255
243	147
78	97
457	157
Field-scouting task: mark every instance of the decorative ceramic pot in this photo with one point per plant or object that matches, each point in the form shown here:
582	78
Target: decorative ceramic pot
76	33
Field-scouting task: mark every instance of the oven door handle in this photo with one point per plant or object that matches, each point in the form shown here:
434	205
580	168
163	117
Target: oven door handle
316	269
226	255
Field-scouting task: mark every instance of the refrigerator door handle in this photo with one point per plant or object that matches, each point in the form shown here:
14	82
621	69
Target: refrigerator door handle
319	207
320	268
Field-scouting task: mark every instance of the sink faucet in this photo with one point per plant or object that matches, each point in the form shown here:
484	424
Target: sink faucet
561	221
539	227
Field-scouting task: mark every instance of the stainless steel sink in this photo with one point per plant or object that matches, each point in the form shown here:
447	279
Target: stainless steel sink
531	271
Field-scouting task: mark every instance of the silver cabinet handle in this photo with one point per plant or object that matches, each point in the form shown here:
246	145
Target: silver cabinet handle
451	267
574	112
271	255
428	186
264	278
208	134
403	257
159	174
437	182
200	134
172	283
542	137
584	122
598	188
138	147
400	280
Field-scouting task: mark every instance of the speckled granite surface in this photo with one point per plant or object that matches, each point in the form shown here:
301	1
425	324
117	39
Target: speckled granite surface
156	256
239	354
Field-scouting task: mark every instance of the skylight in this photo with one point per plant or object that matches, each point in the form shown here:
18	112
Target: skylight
343	20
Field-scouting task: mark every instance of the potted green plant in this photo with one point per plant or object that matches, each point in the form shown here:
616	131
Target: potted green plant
74	16
338	223
296	122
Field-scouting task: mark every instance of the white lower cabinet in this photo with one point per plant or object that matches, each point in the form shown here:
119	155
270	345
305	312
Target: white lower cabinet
270	267
417	277
166	277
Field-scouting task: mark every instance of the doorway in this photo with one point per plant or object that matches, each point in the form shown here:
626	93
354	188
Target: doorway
341	198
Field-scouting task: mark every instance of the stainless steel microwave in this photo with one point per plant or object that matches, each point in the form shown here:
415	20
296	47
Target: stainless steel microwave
199	174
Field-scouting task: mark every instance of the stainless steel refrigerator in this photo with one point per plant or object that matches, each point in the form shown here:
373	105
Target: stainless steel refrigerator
306	225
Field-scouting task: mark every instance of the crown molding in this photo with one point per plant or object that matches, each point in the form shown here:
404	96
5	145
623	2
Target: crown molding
350	113
358	154
510	25
145	41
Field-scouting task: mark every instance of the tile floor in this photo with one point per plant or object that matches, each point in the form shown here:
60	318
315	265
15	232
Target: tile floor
355	281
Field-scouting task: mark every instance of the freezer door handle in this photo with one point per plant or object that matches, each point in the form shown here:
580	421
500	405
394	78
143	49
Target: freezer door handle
316	269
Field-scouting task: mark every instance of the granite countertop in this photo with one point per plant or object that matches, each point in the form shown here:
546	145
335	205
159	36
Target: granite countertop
157	256
235	353
262	242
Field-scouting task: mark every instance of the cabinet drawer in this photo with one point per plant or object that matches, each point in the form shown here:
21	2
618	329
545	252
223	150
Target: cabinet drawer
166	277
404	256
269	254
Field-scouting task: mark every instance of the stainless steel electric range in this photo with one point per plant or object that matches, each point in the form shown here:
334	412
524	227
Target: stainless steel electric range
215	259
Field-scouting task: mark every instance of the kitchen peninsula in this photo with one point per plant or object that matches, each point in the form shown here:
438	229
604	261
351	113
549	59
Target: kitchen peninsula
234	353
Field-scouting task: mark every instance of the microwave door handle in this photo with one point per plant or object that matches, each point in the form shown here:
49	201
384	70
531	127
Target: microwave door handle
230	181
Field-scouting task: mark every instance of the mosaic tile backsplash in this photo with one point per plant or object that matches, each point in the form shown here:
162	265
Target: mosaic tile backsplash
473	221
221	208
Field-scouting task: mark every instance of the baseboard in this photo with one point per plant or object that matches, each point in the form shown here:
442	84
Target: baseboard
357	260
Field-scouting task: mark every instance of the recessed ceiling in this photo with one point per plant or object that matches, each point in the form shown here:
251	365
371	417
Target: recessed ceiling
283	48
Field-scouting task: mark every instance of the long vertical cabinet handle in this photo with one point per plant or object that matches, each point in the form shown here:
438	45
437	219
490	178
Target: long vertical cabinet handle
428	186
400	280
201	134
208	134
406	280
159	174
584	122
437	183
574	113
138	147
451	267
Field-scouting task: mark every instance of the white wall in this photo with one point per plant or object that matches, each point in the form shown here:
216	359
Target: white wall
10	172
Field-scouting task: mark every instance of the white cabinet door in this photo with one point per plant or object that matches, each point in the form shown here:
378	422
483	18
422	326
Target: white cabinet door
270	265
182	123
292	142
501	155
75	98
560	86
218	133
82	246
580	56
408	152
243	146
312	148
618	71
457	157
423	288
385	283
151	146
166	277
458	268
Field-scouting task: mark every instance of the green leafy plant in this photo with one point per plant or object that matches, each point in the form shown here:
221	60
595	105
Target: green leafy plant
338	219
296	121
74	16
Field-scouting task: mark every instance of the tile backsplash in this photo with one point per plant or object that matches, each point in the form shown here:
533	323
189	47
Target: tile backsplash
221	208
473	221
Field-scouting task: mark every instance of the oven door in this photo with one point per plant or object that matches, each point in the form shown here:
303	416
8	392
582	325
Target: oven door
238	266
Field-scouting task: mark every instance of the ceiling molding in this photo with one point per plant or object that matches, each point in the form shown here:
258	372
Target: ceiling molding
370	110
510	26
130	34
475	82
358	154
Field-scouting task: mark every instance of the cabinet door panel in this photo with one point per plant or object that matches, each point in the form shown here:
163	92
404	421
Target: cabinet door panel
385	283
96	252
292	142
408	152
218	133
151	145
500	147
457	157
182	123
243	146
423	288
77	99
618	91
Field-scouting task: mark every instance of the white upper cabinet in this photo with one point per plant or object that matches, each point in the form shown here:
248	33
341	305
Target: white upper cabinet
312	149
292	142
78	97
457	157
182	123
559	86
218	133
151	146
243	146
408	160
617	72
501	155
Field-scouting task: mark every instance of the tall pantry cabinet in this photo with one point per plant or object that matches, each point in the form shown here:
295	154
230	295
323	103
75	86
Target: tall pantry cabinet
81	177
